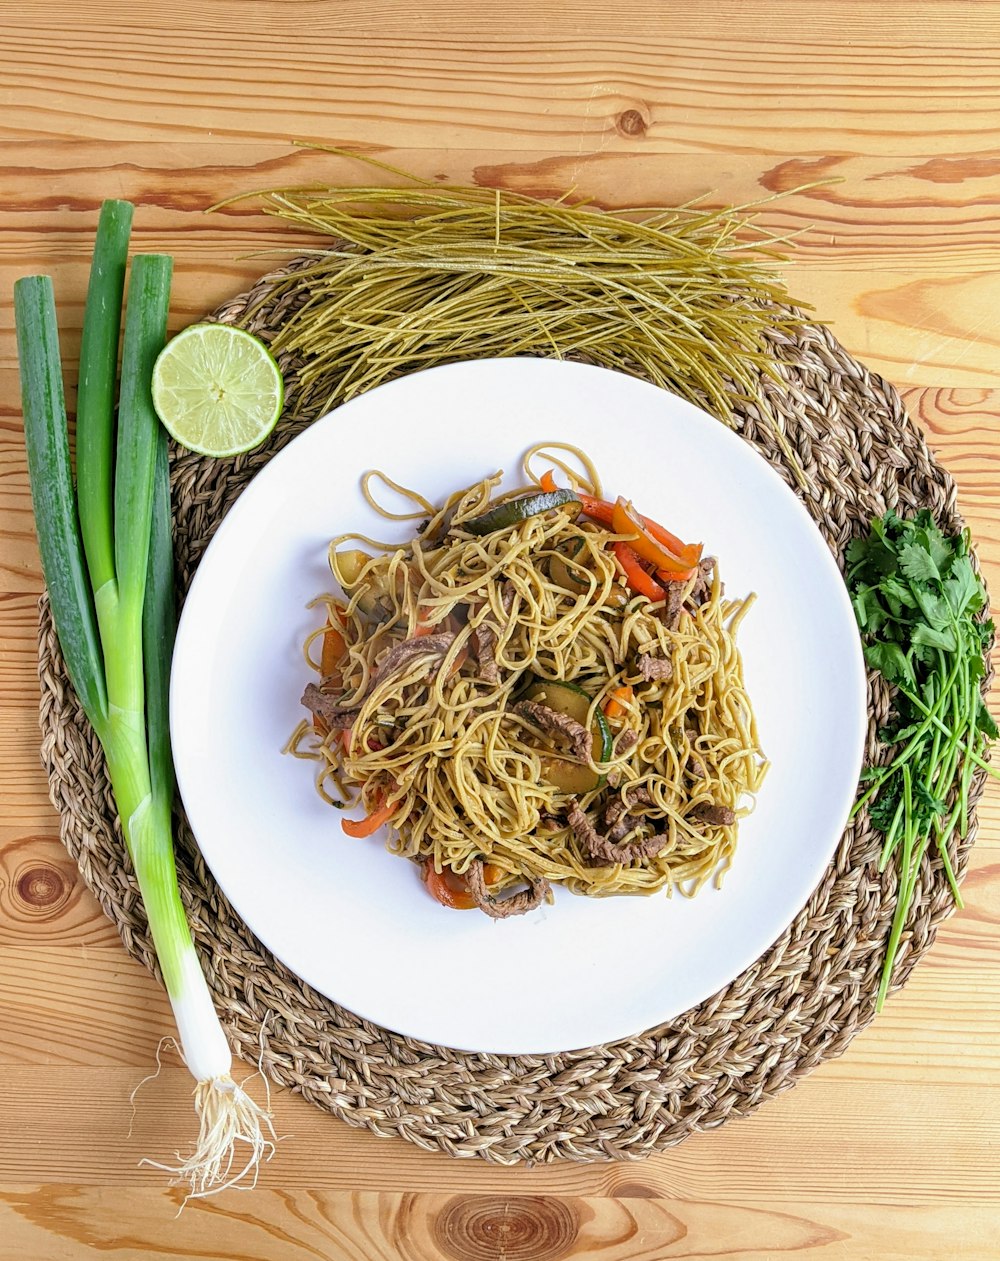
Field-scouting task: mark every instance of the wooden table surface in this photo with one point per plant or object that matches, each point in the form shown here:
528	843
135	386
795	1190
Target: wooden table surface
889	1152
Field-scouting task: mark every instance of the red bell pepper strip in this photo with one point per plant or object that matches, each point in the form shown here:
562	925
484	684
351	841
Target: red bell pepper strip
625	520
636	577
597	509
602	510
365	827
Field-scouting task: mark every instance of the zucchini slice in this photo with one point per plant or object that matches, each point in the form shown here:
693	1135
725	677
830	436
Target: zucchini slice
565	574
513	511
561	772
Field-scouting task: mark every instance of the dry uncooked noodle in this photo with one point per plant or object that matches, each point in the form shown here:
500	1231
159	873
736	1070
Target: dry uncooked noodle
450	654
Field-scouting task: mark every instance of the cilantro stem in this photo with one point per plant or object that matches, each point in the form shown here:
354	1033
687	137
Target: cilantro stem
971	733
904	894
946	730
890	839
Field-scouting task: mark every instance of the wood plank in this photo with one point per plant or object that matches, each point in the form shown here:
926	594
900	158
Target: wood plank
833	206
70	1221
425	77
839	1142
959	23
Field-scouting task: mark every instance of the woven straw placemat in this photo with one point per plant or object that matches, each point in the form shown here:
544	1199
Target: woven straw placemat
801	1003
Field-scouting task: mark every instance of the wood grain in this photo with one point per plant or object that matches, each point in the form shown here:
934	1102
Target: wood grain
422	76
886	119
70	1221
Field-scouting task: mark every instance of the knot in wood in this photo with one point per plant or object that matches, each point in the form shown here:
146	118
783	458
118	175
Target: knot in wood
517	1228
631	123
41	888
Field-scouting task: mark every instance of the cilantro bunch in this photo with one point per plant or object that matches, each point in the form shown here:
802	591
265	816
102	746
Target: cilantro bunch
917	599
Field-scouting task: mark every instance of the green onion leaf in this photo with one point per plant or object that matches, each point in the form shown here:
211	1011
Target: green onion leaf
95	407
47	442
145	333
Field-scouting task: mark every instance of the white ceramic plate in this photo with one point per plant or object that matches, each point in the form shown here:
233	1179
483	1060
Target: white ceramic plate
353	920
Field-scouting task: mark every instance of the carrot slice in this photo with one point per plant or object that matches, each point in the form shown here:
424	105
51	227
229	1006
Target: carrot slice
616	703
451	890
334	648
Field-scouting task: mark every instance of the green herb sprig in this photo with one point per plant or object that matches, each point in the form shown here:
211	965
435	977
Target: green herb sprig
918	602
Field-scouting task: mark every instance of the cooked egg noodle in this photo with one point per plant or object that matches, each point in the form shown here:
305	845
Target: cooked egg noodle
465	771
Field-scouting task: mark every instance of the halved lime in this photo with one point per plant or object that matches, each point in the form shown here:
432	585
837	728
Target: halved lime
217	389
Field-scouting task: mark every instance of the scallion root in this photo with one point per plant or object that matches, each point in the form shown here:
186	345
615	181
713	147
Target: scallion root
230	1120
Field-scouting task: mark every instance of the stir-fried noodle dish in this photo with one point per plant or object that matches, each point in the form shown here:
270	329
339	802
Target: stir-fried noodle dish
541	686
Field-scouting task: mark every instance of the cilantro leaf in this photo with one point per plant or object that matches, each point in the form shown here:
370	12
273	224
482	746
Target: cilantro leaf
868	608
870	559
925	804
985	721
922	653
918	564
891	663
931	637
935	610
882	811
898	596
963	590
938	548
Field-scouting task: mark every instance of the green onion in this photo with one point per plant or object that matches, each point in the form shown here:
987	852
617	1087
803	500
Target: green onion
116	629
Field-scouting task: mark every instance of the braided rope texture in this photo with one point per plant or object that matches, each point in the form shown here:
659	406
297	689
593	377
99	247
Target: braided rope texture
798	1005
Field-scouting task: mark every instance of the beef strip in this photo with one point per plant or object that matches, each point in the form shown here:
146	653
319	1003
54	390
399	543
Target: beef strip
601	851
714	816
626	741
702	588
557	724
613	811
485	640
336	716
431	645
624	824
654	669
507	593
670	614
514	904
618	817
695	765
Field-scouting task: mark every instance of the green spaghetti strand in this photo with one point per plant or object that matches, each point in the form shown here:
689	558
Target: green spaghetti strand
685	297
